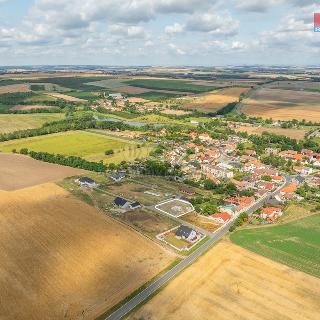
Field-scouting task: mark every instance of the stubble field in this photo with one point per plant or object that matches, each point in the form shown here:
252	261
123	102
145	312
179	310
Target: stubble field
291	133
18	171
61	259
283	104
213	101
229	283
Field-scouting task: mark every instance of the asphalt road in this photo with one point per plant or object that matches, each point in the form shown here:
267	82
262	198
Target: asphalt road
152	288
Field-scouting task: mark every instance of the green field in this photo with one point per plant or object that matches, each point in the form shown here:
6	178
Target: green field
90	146
174	85
14	122
296	244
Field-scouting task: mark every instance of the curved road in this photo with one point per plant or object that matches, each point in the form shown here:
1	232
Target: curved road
157	284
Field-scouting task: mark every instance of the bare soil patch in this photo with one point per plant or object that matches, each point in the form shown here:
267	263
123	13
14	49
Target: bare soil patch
15	88
200	221
291	133
229	282
61	259
175	112
18	171
283	104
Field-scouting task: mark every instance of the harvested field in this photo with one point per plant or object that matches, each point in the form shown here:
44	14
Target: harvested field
31	107
65	97
291	133
18	172
14	88
213	101
175	112
14	122
229	283
61	259
283	105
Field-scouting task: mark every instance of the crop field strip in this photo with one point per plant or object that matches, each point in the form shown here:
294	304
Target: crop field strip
88	145
14	122
295	244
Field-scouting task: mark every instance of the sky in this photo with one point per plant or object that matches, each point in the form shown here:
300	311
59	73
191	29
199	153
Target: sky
158	32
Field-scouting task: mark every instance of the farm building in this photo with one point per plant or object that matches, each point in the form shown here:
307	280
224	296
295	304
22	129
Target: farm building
87	182
185	232
115	95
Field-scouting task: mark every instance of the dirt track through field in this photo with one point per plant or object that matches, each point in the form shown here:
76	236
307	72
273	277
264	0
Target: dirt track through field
61	259
18	171
230	283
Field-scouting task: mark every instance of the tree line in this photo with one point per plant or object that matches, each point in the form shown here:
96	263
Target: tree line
70	161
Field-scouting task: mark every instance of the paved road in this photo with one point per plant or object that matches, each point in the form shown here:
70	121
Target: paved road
151	289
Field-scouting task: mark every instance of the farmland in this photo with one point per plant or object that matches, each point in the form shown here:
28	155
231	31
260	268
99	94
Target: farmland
172	85
18	171
14	88
229	282
65	97
14	122
294	244
213	101
281	104
298	134
90	146
63	259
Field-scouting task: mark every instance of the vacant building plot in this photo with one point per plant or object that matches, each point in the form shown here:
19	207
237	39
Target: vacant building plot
200	221
229	283
175	207
14	88
88	145
298	134
281	104
14	122
61	259
295	244
135	192
213	101
65	97
18	171
145	221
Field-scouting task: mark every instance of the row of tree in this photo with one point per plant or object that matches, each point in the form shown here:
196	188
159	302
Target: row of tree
70	161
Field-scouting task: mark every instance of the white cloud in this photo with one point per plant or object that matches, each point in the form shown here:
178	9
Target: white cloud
257	5
212	23
174	29
176	50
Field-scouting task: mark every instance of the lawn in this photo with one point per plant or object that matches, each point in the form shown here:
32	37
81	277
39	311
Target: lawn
295	244
14	122
88	145
164	84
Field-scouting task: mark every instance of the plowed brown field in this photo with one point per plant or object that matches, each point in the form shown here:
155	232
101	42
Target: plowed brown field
61	259
17	172
231	283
